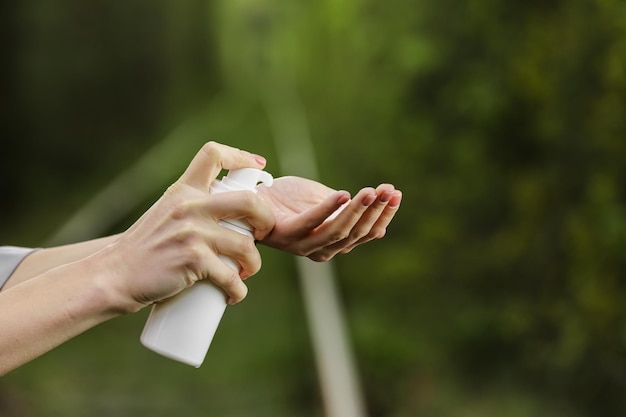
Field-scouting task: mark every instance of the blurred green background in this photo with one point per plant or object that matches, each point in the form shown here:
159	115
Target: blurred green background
499	289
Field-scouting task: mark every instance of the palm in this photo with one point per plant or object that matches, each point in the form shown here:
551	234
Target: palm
291	196
300	208
304	212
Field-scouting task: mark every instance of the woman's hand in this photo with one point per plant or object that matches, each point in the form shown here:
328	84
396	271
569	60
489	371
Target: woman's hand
177	241
308	222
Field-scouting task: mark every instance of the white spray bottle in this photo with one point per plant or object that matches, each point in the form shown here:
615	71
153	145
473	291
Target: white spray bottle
182	327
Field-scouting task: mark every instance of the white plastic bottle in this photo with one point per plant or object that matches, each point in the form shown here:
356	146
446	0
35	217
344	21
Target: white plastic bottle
182	327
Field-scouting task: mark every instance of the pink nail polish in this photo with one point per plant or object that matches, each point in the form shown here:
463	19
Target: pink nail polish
385	197
369	200
343	198
395	200
259	159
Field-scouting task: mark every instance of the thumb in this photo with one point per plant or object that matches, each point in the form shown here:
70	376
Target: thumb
212	158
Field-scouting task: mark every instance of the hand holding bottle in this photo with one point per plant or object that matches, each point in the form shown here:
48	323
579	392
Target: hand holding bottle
182	327
175	244
179	240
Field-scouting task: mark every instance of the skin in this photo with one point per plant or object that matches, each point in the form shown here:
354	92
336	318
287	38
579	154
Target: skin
302	209
175	244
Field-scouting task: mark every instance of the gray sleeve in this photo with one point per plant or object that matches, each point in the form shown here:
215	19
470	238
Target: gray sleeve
10	258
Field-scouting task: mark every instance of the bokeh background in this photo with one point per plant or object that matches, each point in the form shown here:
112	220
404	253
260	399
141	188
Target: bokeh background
499	289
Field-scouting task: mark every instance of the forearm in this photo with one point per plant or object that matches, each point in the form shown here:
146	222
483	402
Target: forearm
45	311
46	259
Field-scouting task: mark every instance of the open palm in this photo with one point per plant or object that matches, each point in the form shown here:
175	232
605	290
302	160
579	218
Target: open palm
309	222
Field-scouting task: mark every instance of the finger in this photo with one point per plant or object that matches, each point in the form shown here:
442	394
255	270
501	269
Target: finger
339	228
353	229
225	277
245	206
365	228
384	193
304	223
243	255
212	158
372	225
379	229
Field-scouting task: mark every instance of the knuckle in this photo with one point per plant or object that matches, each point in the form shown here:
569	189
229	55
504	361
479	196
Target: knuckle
179	209
245	246
249	200
192	263
300	250
338	235
320	256
249	246
211	149
314	257
186	233
231	279
379	233
358	233
194	256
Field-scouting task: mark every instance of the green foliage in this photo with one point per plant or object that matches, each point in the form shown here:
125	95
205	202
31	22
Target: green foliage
498	288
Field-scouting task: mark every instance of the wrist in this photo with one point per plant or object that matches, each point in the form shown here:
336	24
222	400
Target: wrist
108	279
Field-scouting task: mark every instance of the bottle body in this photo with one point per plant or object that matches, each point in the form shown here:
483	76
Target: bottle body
182	327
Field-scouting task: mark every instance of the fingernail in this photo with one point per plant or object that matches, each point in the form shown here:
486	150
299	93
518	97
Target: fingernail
395	200
343	198
369	200
259	159
386	196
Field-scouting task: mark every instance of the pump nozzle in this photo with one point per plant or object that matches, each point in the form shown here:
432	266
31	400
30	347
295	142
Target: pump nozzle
247	178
